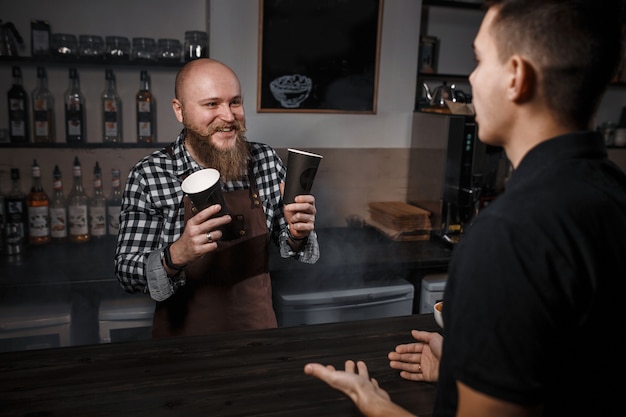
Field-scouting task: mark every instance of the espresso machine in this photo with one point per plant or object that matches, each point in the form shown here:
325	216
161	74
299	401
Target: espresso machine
451	172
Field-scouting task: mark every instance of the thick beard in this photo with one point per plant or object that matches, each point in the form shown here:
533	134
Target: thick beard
231	163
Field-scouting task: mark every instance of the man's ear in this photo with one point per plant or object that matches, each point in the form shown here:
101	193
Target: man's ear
523	79
178	109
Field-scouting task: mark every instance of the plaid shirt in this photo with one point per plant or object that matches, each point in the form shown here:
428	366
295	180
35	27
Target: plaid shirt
152	213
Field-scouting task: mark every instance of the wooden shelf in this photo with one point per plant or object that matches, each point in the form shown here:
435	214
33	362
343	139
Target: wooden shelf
447	77
87	63
453	4
114	145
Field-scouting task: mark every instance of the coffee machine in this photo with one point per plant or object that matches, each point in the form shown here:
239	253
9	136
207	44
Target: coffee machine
451	172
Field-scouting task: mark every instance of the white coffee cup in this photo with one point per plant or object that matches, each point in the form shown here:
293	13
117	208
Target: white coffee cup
204	189
438	311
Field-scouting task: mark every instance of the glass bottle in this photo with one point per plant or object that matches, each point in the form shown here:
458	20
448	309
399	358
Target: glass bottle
146	110
75	127
43	110
18	109
58	208
16	215
114	203
38	206
111	110
77	207
97	206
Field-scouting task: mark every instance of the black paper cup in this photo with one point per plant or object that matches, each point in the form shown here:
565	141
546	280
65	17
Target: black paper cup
204	189
301	169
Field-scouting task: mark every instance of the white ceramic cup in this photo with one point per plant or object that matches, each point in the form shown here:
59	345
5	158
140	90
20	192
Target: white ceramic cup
437	309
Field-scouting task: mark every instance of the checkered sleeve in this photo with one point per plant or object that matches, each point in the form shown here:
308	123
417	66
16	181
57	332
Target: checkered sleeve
151	217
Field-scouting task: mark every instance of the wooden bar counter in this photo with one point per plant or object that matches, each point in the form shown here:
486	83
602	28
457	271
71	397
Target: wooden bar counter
254	373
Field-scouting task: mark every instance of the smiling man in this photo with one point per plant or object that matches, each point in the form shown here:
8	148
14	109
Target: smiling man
210	273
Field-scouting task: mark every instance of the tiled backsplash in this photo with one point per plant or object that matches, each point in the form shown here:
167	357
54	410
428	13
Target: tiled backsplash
346	181
347	178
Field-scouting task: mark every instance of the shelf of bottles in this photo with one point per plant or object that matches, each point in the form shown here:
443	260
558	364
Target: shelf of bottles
32	119
35	218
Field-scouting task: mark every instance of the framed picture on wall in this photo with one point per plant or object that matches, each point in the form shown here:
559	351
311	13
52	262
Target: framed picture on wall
319	55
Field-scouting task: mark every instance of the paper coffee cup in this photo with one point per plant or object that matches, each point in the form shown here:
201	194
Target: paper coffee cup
204	189
301	169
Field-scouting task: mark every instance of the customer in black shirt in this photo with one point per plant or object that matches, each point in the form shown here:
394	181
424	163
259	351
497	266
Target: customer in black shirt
533	309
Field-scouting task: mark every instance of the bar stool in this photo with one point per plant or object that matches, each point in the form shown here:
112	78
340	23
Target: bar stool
128	318
35	326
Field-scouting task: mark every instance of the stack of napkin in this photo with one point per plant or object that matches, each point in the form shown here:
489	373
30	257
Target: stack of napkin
399	220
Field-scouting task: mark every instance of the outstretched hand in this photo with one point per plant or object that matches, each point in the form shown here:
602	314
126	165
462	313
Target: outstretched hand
418	361
356	383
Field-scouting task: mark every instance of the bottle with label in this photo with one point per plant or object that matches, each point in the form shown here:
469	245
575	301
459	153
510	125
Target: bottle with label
43	110
111	110
19	131
114	203
16	215
38	206
146	110
97	206
58	208
75	126
77	207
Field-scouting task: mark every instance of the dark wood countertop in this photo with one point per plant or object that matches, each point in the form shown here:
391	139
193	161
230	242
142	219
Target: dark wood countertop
255	373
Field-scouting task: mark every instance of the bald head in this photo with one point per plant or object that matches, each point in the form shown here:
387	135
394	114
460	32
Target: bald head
203	67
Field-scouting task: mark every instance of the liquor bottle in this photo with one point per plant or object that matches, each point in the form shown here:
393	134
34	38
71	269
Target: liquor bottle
111	110
75	126
146	110
18	109
58	208
38	206
43	110
15	212
97	206
114	204
77	207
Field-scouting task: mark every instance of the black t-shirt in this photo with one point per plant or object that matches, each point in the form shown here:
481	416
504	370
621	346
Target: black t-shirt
533	306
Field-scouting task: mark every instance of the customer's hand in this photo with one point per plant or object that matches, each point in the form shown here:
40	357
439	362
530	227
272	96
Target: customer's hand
355	382
418	361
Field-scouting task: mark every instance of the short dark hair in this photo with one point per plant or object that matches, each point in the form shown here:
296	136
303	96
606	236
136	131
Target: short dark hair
577	46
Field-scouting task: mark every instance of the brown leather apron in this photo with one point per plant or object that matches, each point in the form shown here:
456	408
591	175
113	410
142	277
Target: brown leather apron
230	288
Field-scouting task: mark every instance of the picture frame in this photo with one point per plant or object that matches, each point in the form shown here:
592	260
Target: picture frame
319	56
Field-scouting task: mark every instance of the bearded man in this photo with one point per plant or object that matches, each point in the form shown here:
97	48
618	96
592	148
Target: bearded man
210	273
